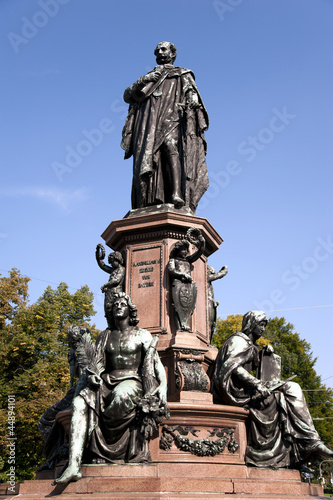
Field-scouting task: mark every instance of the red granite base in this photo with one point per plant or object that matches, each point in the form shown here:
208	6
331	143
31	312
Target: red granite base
177	474
166	480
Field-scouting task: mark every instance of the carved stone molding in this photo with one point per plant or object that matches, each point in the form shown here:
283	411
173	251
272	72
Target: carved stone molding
202	447
190	375
155	235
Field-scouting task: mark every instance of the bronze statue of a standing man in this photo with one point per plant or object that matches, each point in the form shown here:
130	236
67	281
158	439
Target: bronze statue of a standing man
164	132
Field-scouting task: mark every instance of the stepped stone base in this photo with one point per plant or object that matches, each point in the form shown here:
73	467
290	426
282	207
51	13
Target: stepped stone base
178	474
175	481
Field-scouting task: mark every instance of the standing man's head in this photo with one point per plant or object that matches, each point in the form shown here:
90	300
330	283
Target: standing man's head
165	53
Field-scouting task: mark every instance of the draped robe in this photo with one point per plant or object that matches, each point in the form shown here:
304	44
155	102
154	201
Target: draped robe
113	434
156	113
280	431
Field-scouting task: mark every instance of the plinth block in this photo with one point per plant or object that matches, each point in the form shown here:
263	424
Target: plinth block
175	481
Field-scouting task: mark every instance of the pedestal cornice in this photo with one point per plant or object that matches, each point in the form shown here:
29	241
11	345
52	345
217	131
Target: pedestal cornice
159	225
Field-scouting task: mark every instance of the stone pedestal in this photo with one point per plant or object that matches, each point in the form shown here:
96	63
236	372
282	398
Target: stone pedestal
174	473
146	238
200	432
200	451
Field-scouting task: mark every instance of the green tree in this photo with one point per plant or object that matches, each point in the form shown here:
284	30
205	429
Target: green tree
226	327
34	367
13	294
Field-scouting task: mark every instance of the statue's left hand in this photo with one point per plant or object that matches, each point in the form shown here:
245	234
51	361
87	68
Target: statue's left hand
193	100
263	390
224	270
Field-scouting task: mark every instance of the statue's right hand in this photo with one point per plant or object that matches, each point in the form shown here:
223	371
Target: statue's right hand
262	389
153	76
94	380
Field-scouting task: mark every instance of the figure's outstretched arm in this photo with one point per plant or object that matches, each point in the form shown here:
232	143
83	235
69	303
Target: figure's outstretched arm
216	276
156	366
161	390
100	255
201	248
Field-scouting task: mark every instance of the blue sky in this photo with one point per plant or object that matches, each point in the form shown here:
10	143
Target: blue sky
264	70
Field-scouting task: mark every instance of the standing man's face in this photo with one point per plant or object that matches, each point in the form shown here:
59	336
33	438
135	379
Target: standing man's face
163	53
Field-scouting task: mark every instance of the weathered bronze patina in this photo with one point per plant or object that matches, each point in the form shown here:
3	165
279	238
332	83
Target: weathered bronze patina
116	270
164	132
184	290
56	441
110	420
281	432
212	275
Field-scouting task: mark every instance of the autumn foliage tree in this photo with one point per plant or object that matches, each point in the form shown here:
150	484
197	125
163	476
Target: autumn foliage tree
34	360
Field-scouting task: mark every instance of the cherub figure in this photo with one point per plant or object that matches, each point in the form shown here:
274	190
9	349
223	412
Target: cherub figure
212	275
116	269
184	290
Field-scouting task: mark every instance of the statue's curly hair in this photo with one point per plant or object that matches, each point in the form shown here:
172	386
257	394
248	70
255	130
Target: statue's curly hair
133	311
117	256
178	245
